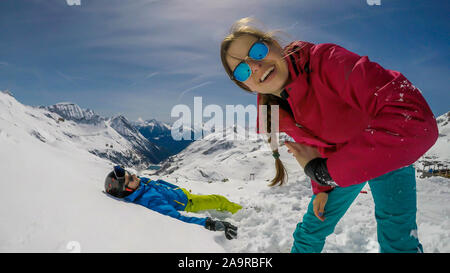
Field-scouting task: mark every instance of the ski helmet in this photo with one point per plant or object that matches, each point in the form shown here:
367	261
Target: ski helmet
114	186
115	183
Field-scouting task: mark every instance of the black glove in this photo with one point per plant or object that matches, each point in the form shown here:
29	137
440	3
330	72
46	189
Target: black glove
317	170
230	230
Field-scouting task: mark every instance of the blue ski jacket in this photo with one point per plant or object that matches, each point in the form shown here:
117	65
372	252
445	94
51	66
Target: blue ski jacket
163	197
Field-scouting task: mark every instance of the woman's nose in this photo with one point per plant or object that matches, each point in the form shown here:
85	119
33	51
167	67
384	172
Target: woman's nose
254	65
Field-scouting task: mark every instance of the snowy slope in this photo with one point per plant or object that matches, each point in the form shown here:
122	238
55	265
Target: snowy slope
270	215
52	196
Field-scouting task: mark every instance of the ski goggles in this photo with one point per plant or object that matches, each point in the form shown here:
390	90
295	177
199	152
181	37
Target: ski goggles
257	51
120	175
119	172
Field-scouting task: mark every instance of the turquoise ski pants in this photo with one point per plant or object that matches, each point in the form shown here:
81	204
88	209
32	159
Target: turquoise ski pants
394	195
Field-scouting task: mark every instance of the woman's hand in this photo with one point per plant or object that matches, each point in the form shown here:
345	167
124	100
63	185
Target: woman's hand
302	153
319	205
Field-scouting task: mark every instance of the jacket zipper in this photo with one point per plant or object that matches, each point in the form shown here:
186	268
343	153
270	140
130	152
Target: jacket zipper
178	202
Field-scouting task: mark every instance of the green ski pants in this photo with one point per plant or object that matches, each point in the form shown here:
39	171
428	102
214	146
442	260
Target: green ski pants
209	202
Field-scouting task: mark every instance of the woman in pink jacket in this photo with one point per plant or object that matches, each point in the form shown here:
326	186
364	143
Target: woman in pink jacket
352	120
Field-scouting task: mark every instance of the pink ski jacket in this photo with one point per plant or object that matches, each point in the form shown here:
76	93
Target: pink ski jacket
365	119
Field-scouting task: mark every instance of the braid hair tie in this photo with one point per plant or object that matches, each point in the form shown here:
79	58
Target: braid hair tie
276	154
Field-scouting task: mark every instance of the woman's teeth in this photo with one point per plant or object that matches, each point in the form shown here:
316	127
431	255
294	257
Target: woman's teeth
267	73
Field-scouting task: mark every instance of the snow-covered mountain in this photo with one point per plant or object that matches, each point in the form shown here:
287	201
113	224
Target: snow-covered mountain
153	127
141	144
221	157
71	111
112	139
160	133
439	155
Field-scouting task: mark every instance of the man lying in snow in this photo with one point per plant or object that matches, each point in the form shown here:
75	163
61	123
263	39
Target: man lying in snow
169	199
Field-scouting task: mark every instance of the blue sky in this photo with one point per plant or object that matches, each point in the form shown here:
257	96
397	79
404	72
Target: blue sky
140	57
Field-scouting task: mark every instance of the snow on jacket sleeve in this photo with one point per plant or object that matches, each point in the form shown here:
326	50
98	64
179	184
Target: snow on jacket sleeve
401	127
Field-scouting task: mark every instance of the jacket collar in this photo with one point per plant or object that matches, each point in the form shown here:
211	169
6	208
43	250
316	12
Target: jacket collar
298	63
297	59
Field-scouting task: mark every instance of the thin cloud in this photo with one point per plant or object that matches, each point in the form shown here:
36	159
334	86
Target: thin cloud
68	77
150	75
193	88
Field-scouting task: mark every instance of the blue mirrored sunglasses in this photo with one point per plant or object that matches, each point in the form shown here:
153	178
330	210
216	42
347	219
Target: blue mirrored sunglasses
258	51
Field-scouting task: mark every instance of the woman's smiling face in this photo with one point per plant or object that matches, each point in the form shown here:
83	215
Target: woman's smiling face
269	75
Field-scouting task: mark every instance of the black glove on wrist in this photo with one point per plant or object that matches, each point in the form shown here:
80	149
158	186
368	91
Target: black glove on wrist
230	230
317	170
